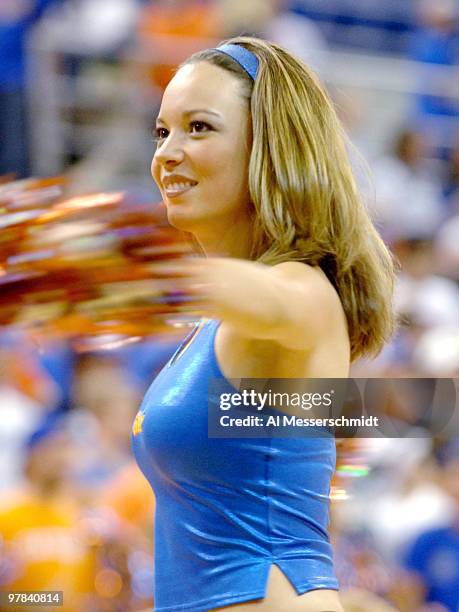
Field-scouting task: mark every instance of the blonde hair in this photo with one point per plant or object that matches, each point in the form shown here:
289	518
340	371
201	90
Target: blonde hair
306	203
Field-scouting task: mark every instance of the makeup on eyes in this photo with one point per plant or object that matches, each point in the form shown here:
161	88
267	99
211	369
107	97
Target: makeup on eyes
204	124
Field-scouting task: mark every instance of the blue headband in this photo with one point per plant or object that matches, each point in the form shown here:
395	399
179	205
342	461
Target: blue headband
243	57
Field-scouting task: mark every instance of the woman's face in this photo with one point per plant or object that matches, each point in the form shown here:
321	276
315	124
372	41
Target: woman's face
202	157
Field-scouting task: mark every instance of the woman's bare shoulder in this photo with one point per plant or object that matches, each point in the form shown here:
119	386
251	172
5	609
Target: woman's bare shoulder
313	281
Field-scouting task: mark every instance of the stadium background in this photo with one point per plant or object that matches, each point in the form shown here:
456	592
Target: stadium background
80	84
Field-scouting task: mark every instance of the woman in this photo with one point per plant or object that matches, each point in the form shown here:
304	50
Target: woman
296	282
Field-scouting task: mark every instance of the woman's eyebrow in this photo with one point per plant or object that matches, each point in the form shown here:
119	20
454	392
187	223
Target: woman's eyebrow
192	112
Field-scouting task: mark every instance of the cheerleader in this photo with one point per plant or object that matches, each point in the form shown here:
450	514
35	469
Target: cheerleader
295	283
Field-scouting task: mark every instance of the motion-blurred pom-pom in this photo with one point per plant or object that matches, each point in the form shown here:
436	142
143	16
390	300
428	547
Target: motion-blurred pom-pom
90	265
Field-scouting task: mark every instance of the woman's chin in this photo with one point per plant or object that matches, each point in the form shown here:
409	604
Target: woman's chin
180	221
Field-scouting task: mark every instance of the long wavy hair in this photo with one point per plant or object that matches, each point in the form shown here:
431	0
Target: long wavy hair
306	203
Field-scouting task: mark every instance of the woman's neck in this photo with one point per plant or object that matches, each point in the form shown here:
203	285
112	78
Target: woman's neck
232	240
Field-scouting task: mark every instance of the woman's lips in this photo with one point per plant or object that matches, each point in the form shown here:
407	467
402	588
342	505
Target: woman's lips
176	189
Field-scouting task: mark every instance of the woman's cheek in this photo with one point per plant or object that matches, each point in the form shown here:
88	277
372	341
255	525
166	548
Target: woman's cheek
154	170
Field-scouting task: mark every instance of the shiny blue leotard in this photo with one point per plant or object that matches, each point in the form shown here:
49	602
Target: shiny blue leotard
226	509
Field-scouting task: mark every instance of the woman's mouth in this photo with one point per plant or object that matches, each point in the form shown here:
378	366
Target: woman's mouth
173	190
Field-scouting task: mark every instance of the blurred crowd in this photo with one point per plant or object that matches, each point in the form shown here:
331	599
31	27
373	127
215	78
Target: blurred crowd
75	513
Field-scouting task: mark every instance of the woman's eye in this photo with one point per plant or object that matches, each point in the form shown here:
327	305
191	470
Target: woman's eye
160	133
198	127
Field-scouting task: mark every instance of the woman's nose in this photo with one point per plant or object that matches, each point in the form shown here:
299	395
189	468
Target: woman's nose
170	152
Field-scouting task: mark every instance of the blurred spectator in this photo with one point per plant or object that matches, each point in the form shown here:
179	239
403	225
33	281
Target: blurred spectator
17	17
425	302
419	503
171	30
27	392
57	360
433	557
96	29
437	352
408	198
425	297
435	44
105	398
41	546
22	367
451	181
298	34
239	17
143	360
358	563
20	415
401	479
360	600
55	535
447	248
101	390
130	496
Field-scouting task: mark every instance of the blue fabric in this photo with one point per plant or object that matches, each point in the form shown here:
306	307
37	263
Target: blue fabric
435	556
14	136
58	359
243	57
16	21
227	509
13	34
435	48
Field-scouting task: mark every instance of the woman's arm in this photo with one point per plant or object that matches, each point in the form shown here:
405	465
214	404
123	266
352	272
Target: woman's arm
291	303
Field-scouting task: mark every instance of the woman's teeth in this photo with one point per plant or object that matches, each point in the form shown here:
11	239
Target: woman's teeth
175	188
179	186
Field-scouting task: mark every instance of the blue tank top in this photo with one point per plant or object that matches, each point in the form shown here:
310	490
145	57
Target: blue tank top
226	509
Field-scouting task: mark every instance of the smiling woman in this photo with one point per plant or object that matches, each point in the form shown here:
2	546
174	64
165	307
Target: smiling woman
296	283
201	163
